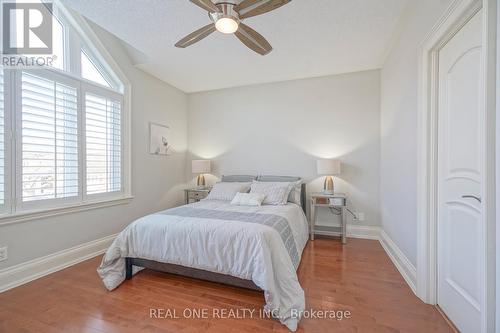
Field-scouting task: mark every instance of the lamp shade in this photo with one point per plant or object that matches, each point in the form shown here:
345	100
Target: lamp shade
200	166
328	167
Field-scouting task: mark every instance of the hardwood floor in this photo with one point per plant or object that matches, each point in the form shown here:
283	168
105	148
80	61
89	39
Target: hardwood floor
357	277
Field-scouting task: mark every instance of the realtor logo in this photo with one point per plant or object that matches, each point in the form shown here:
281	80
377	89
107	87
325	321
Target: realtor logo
27	28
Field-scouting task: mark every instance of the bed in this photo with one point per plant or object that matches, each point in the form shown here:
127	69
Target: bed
255	247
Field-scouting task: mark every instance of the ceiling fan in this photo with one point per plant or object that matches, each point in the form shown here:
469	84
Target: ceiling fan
227	16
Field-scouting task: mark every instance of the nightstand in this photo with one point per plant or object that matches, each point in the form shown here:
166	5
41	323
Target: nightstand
195	194
336	201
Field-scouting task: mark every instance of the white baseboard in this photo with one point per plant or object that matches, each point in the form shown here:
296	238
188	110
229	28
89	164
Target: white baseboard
355	231
402	263
17	275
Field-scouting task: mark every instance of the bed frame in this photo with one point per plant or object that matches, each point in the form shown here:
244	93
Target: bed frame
199	273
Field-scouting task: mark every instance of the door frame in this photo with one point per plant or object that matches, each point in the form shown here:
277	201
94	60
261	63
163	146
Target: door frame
454	18
497	174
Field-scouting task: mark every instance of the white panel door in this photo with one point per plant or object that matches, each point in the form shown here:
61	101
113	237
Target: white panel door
460	159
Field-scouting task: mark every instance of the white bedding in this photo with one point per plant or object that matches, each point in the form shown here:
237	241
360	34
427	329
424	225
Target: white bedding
246	250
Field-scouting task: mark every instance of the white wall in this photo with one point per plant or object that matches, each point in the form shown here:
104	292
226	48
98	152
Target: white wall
497	225
282	128
399	77
156	181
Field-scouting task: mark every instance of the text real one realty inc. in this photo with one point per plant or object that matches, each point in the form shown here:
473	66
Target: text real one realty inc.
220	313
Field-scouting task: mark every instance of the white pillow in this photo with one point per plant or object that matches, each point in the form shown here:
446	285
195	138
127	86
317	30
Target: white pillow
248	199
295	192
227	191
276	192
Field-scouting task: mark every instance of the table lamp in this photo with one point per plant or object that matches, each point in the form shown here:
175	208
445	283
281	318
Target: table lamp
200	167
328	168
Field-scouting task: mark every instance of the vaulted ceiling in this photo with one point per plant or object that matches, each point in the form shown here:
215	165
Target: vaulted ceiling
310	38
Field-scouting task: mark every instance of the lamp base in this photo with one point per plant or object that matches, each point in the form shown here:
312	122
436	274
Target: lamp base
200	181
328	185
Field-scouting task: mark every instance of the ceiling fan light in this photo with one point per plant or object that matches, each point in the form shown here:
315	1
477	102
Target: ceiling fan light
226	25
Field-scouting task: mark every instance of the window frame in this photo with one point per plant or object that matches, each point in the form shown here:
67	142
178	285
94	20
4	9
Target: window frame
77	35
9	157
107	77
66	28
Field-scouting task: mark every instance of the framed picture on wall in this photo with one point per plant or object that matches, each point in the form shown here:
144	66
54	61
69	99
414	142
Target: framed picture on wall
160	139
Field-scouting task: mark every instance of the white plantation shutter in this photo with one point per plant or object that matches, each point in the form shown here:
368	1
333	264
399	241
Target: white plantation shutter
49	139
2	140
103	144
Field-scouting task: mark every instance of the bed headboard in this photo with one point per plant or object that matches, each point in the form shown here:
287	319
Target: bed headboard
278	179
238	179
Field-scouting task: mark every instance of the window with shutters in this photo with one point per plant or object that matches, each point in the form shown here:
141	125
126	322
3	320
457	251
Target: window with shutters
49	139
63	129
103	144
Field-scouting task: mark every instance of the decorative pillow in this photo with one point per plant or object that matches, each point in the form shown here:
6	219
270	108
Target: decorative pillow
295	192
248	199
276	192
227	191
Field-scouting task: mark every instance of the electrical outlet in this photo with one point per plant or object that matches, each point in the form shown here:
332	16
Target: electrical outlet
3	253
360	216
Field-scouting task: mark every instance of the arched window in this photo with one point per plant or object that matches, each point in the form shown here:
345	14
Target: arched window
63	127
90	71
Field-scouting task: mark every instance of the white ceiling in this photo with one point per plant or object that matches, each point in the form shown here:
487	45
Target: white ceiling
310	38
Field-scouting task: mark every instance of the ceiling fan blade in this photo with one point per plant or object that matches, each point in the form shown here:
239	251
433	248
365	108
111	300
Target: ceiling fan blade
196	36
249	8
208	5
253	40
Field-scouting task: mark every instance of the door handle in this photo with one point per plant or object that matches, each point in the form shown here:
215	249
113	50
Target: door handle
471	197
